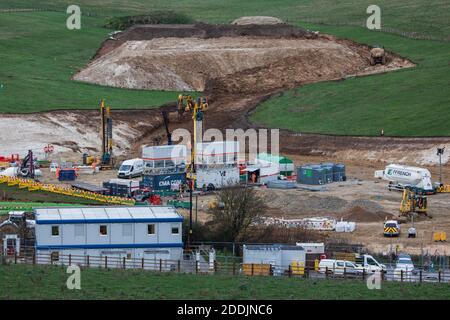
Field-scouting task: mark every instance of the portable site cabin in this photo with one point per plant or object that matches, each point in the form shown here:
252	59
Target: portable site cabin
279	256
286	165
217	153
167	159
262	172
118	233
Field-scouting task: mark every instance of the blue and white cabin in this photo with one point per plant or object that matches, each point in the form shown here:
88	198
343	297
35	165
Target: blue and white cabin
153	233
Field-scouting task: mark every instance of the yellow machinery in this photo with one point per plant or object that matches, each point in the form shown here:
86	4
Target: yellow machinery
443	188
197	107
106	134
413	202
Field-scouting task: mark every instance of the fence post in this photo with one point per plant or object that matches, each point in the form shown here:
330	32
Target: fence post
142	263
345	273
234	268
252	268
15	257
160	265
439	275
87	261
106	262
70	259
401	275
123	259
306	273
215	266
179	266
326	272
364	274
290	271
420	274
34	257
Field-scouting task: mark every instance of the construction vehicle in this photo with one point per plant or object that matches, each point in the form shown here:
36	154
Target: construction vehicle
400	177
377	56
106	161
413	201
166	124
391	228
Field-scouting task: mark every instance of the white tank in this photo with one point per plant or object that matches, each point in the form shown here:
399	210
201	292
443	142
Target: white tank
409	176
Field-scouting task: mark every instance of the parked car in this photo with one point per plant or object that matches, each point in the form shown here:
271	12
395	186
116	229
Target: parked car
337	267
404	262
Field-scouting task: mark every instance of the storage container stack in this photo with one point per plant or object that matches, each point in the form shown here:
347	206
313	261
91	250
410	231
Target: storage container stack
317	174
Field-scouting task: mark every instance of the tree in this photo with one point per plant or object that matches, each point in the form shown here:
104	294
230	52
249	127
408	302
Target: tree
236	209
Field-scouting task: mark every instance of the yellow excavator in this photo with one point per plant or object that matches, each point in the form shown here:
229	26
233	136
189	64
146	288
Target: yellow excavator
413	201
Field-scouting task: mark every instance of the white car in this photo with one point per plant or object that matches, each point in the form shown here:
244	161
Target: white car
405	263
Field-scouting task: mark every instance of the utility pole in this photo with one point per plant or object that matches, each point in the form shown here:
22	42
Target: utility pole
440	152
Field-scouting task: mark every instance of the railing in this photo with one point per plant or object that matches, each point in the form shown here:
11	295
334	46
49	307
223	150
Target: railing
220	267
69	191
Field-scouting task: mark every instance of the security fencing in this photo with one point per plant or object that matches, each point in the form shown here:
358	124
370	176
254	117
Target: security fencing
222	265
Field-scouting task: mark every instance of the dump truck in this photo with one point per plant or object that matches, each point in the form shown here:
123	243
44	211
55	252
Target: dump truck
377	56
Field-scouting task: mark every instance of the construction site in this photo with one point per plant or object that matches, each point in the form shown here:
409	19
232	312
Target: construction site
387	194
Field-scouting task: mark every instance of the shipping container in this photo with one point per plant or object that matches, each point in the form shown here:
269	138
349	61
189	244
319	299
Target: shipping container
164	181
311	174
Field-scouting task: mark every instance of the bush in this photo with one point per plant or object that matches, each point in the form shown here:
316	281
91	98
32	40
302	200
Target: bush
154	17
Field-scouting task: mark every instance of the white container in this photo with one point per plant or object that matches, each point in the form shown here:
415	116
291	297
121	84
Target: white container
164	156
218	177
217	152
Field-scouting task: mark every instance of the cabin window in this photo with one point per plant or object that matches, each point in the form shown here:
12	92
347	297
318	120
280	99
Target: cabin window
175	230
151	229
103	230
55	231
127	230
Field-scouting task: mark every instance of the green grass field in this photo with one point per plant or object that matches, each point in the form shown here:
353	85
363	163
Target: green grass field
46	282
410	102
39	55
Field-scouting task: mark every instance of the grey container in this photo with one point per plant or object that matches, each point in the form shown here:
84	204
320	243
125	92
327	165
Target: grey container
311	174
329	171
339	172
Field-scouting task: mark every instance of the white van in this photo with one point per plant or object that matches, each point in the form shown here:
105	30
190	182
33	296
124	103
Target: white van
131	168
338	266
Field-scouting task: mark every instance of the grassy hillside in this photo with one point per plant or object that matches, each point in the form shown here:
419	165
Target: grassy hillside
429	17
38	56
410	102
45	282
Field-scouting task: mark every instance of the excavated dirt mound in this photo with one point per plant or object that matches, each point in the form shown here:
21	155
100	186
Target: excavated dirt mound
358	214
227	59
257	20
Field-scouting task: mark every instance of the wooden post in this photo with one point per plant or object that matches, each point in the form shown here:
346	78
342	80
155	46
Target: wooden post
70	259
234	268
34	258
290	271
87	263
364	274
142	263
326	272
196	266
401	275
179	266
106	262
439	275
345	273
215	266
123	263
420	275
306	272
15	257
160	265
252	268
